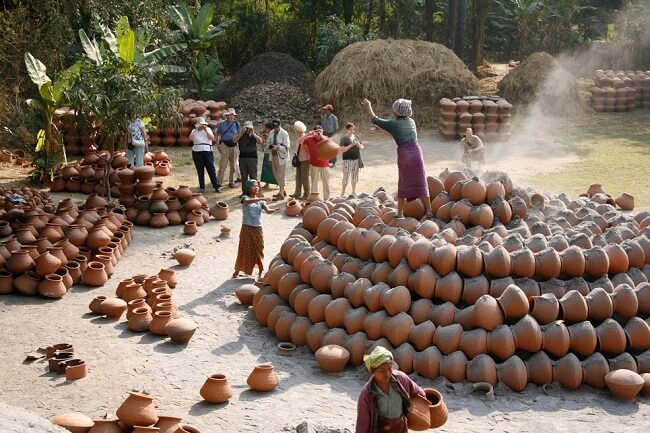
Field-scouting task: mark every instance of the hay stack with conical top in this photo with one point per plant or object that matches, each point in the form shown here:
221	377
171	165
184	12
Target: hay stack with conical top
384	70
540	81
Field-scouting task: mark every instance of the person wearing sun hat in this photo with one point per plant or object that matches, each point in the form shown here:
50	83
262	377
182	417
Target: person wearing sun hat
226	132
278	142
267	166
330	124
249	143
202	154
385	399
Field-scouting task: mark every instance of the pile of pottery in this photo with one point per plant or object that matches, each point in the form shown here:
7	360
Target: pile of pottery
147	301
137	414
49	248
61	360
620	90
76	143
489	117
216	389
503	285
18	157
596	193
170	136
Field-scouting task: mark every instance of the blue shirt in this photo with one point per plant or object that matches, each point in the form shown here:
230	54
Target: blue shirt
253	213
227	131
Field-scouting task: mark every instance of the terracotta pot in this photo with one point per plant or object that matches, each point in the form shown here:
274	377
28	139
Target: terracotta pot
332	358
513	373
219	211
144	173
547	263
180	331
185	256
594	370
545	308
106	426
186	428
396	328
599	304
523	263
482	369
168	424
454	366
625	201
513	302
52	286
596	262
447	338
137	409
487	313
638	334
555	338
113	307
568	371
73	422
573	307
190	228
46	263
583	338
140	320
624	384
573	261
527	334
427	362
625	301
159	321
419	416
95	304
611	337
396	300
540	368
216	389
19	262
437	408
263	378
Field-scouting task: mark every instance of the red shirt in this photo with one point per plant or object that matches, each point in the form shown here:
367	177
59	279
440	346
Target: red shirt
312	144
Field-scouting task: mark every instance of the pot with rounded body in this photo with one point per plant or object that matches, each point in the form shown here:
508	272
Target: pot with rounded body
263	378
216	389
137	409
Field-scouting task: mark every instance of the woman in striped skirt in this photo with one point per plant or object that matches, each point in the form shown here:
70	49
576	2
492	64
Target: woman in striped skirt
351	148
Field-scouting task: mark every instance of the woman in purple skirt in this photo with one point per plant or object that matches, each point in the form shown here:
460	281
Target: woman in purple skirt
412	182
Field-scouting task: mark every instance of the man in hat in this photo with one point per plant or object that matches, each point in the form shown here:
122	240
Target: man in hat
330	124
248	142
278	143
226	132
202	154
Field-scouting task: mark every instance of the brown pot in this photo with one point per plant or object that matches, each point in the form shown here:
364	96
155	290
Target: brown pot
523	263
94	274
19	262
625	301
185	256
513	373
596	262
454	366
168	424
482	369
594	370
73	422
216	389
624	384
438	412
568	371
137	409
487	314
332	358
263	378
611	337
540	368
625	201
527	334
52	286
180	331
573	307
106	426
547	263
447	338
555	338
583	338
513	302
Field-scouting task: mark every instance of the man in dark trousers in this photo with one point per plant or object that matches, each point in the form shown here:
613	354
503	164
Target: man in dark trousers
248	142
330	124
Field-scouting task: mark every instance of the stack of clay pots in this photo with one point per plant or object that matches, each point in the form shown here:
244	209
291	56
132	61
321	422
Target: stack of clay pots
136	414
597	193
620	90
504	285
17	157
148	303
47	248
210	110
489	117
65	118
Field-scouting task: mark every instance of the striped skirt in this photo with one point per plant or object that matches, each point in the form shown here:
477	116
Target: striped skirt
350	170
251	250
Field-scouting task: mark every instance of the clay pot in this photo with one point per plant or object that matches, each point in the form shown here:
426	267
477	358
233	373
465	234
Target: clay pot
594	369
263	378
159	321
540	368
106	426
482	369
454	366
73	422
185	256
638	334
396	328
19	262
611	337
396	300
523	263
513	373
216	389
624	384
573	307
555	338
438	412
180	331
487	314
624	301
545	308
186	428
447	338
219	211
599	304
95	274
52	286
293	208
625	201
596	262
140	319
527	334
568	371
513	302
46	263
548	264
573	261
583	338
113	307
427	362
332	358
168	424
137	409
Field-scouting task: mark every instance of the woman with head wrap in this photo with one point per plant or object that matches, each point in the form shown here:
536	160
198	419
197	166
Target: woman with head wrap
251	237
385	399
412	181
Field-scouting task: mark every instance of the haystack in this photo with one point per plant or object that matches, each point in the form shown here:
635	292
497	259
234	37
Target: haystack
384	70
268	68
541	82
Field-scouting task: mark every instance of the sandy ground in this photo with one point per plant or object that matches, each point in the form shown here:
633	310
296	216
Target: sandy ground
230	341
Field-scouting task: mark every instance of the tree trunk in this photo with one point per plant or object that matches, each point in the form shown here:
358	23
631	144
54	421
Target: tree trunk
459	40
369	12
452	11
429	10
398	18
348	11
382	17
480	9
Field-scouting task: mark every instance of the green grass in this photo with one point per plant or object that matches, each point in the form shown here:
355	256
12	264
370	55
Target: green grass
613	150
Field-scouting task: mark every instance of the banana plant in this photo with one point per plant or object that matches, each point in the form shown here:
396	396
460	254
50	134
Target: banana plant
129	46
52	96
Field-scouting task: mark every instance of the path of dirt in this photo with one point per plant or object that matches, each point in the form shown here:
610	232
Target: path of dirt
229	341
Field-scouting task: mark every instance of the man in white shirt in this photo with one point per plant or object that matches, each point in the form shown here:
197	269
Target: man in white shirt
278	143
202	154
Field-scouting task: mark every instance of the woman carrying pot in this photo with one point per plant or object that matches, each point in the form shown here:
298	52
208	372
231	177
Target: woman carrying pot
385	399
412	182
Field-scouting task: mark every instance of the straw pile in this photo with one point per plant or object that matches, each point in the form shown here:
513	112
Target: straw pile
541	80
384	70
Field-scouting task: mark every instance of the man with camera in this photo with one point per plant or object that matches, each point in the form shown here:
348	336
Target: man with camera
248	142
278	143
202	155
226	132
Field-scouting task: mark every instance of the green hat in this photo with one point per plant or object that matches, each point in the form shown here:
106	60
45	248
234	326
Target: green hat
379	356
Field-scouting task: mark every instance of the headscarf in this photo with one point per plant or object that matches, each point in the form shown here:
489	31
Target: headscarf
249	183
379	356
402	107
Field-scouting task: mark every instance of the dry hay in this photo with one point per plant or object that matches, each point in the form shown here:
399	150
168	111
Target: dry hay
541	81
263	102
384	70
271	68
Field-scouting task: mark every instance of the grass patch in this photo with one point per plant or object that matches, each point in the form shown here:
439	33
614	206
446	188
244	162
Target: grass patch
614	150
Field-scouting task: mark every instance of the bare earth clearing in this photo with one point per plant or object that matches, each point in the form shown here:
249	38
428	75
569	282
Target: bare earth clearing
230	341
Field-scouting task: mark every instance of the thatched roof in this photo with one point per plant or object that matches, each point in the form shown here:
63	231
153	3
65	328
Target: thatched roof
384	70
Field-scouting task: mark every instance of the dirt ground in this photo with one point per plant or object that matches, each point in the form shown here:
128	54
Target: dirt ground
230	341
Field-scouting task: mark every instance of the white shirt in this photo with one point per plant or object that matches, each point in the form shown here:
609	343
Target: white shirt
201	140
283	141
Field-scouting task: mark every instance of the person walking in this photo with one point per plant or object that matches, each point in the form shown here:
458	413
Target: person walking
351	148
227	147
267	167
302	169
202	155
330	124
248	142
319	169
136	143
412	181
250	252
278	143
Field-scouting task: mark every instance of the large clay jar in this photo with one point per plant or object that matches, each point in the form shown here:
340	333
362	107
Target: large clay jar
624	384
52	286
219	211
332	358
19	262
513	373
454	366
527	334
94	274
625	301
594	370
438	412
573	307
137	409
263	378
599	304
482	369
513	302
216	389
545	308
487	313
611	337
568	371
180	331
555	338
540	368
73	422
